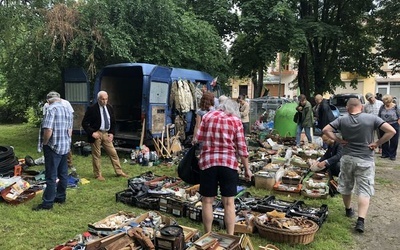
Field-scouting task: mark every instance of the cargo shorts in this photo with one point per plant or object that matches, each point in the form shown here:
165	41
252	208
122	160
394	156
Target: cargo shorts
358	173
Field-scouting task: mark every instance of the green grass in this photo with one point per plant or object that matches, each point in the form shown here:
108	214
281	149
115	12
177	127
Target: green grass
382	181
21	228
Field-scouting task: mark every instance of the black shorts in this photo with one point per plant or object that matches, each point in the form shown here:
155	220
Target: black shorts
224	177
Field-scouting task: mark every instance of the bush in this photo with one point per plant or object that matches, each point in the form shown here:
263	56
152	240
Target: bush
10	114
34	116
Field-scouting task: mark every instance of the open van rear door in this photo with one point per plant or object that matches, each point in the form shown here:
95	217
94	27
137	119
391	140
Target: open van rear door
158	114
76	91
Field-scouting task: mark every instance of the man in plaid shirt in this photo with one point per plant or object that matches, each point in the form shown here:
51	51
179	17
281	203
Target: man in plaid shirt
56	132
222	138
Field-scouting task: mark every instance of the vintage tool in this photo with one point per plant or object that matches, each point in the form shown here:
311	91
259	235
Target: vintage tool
143	130
167	131
156	146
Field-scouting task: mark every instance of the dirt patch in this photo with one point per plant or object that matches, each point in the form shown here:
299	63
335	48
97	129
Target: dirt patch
382	225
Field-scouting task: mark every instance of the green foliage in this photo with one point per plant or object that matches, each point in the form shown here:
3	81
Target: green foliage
34	116
219	13
326	37
386	26
38	41
266	28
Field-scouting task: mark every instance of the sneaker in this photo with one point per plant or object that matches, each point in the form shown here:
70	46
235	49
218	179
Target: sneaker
359	226
41	207
349	212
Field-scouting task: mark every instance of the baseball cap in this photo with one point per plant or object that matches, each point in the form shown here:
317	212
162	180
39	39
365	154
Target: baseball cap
52	95
368	95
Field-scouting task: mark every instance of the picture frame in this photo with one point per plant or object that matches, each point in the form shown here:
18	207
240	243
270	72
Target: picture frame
205	241
245	242
226	241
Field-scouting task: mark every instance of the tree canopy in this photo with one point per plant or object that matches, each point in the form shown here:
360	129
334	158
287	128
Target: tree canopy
39	40
386	27
326	37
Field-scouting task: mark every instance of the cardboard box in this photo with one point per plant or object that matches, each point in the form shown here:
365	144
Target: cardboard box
15	194
167	221
264	180
246	226
113	222
225	241
191	234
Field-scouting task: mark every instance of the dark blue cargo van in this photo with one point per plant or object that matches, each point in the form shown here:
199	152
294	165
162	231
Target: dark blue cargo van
140	92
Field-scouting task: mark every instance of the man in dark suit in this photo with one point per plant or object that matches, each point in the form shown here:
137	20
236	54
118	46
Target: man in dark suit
322	114
330	161
99	125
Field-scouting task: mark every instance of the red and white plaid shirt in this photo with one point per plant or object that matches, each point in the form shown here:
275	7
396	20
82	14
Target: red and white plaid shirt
222	139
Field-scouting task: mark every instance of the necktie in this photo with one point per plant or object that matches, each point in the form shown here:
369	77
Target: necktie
106	122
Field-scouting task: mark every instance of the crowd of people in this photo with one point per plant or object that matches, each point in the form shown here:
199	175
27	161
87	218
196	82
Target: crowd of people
220	130
351	141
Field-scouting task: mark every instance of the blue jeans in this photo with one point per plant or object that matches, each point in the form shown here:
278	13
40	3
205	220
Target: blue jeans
298	134
55	167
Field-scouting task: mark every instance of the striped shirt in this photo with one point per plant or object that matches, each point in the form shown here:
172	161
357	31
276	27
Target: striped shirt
59	119
222	139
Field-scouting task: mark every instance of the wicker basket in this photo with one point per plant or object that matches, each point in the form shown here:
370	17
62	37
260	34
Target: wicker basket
304	236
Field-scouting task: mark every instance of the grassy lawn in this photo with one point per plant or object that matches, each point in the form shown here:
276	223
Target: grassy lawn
21	228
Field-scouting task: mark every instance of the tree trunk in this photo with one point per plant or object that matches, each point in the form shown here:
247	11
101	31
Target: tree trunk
260	78
303	79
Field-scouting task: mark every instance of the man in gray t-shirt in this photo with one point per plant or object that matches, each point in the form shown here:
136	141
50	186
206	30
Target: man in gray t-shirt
357	166
358	132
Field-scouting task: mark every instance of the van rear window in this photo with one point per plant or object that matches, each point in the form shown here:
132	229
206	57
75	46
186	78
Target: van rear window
341	101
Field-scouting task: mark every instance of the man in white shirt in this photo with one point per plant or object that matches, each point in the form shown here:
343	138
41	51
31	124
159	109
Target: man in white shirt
372	107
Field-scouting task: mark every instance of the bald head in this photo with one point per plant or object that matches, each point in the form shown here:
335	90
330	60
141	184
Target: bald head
318	99
354	106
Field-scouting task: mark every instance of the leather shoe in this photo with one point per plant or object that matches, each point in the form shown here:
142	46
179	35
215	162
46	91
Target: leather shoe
123	175
384	156
100	178
393	158
41	207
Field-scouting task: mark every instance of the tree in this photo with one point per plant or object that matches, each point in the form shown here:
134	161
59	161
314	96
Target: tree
40	40
338	40
386	26
267	27
220	14
326	37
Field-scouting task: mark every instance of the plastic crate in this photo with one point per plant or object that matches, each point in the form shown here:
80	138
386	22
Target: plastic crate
125	196
194	213
318	215
270	203
148	202
219	217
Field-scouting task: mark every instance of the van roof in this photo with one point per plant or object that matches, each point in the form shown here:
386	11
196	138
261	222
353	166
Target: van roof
189	74
147	68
